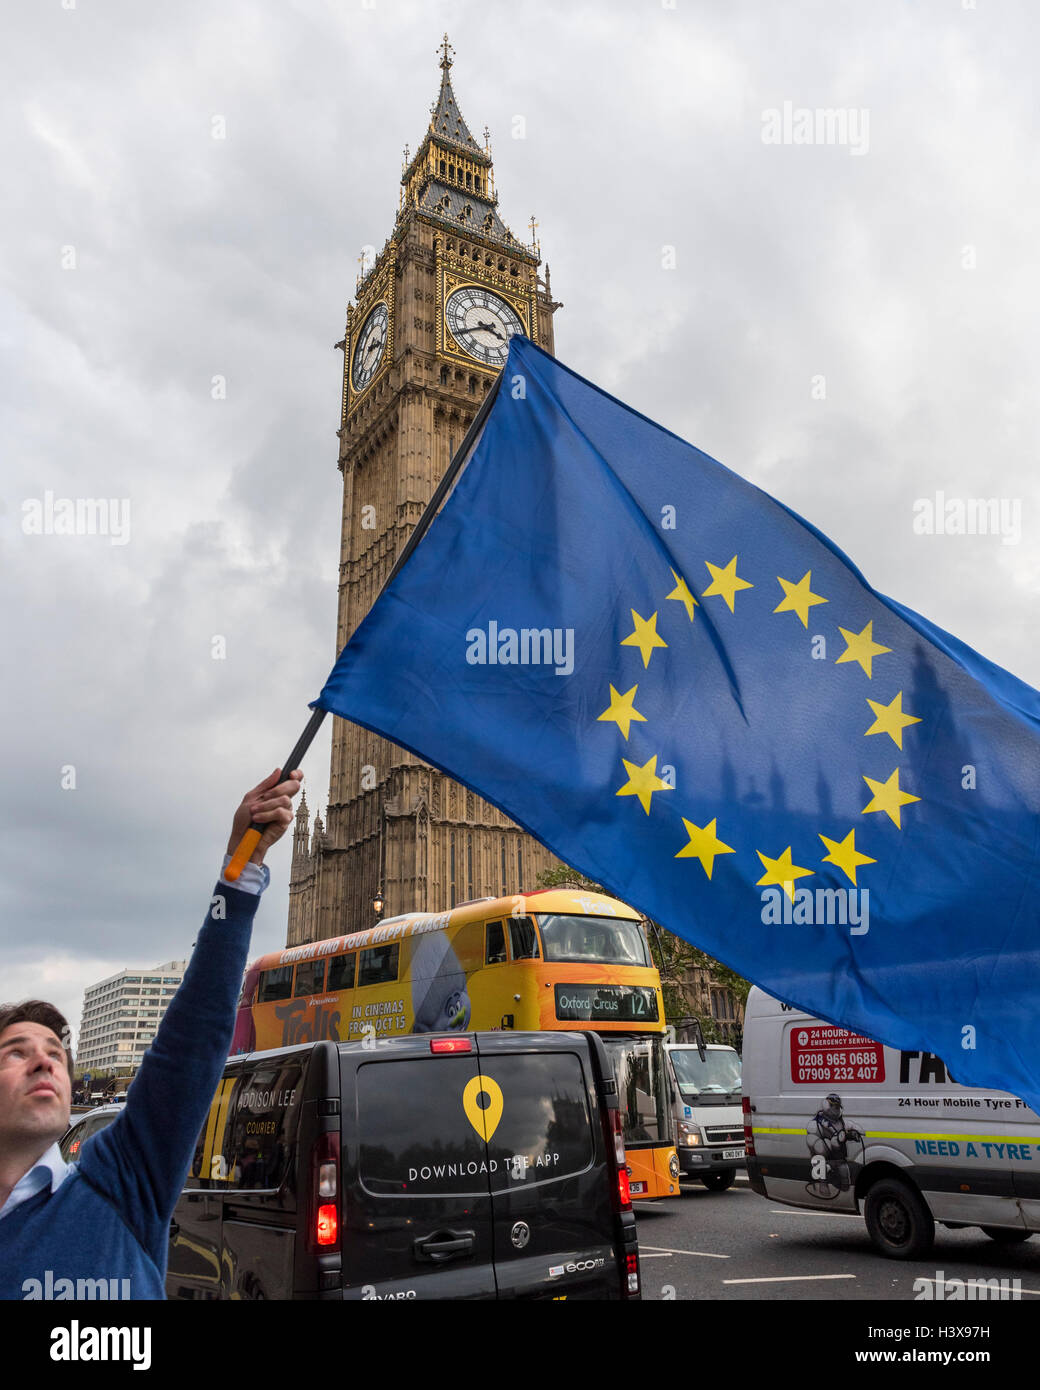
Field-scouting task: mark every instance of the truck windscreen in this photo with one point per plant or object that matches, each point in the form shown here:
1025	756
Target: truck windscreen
718	1074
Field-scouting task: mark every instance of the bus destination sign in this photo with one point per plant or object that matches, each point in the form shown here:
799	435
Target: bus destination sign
606	1003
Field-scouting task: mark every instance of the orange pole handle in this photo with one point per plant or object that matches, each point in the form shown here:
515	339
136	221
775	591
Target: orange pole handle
243	853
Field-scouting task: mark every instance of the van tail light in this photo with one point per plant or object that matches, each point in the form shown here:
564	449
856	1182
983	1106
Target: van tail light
327	1229
749	1138
325	1190
617	1145
621	1196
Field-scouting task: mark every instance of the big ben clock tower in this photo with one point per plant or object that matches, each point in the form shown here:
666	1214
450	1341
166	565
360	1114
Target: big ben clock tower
425	338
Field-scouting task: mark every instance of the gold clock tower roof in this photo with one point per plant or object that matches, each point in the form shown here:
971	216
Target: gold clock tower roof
446	120
451	179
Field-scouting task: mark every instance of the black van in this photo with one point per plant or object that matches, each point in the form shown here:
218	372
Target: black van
479	1165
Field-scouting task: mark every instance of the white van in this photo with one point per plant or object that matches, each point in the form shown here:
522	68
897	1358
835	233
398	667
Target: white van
709	1126
834	1121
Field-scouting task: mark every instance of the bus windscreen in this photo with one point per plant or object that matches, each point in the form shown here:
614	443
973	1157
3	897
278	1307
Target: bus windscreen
603	940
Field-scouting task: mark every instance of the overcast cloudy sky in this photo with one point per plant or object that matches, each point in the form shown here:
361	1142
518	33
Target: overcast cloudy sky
143	258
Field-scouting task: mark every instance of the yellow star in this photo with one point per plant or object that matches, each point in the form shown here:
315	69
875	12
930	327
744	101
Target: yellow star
645	636
845	854
888	798
725	582
622	711
890	719
861	647
781	871
799	597
683	595
704	845
643	782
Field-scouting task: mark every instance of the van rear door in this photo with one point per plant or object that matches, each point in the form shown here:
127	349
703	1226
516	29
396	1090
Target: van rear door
556	1233
417	1219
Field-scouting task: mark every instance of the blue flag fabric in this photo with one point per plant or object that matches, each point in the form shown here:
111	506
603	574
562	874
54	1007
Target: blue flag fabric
689	694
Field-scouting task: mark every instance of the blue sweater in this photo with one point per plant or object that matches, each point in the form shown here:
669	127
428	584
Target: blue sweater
109	1218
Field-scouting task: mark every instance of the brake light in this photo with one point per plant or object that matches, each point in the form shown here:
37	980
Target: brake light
632	1272
327	1231
451	1045
749	1138
325	1188
624	1191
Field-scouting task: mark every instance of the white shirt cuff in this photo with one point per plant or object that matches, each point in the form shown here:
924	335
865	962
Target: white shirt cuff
254	878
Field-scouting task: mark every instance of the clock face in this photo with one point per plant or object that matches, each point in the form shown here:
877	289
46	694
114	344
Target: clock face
481	323
371	342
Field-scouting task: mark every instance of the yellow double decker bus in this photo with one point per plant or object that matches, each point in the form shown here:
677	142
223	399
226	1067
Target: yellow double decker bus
548	960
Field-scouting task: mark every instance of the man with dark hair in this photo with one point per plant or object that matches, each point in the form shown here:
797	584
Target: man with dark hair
107	1217
36	1011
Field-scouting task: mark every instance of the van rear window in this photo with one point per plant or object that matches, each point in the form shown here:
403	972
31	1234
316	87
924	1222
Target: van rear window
418	1124
416	1139
545	1131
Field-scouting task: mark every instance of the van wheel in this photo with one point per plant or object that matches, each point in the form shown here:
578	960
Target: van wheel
898	1222
1006	1235
718	1182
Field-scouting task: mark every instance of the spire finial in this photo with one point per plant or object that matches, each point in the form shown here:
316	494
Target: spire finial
487	140
446	49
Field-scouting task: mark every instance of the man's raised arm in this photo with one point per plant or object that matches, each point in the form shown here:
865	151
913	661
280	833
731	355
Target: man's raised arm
141	1160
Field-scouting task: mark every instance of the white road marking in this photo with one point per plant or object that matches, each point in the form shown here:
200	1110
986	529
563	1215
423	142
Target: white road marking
788	1278
666	1250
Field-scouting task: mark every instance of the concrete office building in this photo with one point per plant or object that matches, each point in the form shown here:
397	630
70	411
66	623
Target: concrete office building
121	1014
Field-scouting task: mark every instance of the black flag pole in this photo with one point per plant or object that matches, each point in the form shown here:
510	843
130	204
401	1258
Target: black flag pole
251	838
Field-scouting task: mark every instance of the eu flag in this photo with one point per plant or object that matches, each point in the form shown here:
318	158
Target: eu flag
688	693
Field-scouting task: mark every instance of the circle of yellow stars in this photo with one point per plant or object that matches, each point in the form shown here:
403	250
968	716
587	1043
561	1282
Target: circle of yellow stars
861	648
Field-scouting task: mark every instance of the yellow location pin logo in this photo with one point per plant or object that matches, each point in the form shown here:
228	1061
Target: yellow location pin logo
482	1102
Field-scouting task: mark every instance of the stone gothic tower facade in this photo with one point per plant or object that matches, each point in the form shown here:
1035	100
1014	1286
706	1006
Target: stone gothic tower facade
426	336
